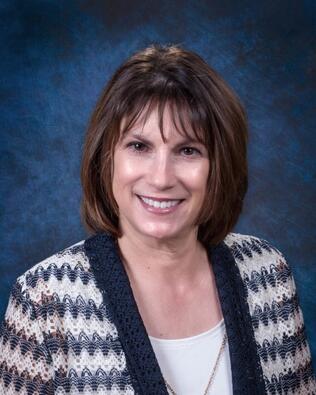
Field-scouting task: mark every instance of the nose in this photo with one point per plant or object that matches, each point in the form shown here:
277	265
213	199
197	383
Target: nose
162	172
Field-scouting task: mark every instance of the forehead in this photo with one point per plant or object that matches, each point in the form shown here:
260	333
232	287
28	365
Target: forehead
170	122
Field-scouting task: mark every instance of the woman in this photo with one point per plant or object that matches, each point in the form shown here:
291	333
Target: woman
163	298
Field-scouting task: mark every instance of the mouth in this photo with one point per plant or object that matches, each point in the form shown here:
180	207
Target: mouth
160	205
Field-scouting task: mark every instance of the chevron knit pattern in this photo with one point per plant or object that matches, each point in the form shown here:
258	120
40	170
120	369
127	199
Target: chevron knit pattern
58	336
276	316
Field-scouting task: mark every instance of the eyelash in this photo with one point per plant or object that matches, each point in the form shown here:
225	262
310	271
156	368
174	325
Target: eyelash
133	143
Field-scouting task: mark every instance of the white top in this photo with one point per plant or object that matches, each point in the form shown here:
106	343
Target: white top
187	363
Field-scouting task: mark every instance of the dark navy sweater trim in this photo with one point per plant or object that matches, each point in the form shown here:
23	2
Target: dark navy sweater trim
113	282
247	375
111	277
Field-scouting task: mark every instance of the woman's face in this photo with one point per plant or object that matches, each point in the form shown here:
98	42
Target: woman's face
159	187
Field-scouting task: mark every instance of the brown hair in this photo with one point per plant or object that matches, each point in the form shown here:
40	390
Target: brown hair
160	75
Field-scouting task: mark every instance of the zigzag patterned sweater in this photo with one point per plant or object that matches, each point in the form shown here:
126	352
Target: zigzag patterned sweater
72	325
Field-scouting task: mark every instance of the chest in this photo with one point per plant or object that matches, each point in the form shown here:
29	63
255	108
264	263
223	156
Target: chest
187	364
169	315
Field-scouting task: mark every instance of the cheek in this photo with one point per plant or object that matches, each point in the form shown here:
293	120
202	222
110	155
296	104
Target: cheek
197	176
125	170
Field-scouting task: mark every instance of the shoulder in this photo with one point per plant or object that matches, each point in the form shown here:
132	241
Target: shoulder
70	261
267	279
252	253
264	270
66	271
243	246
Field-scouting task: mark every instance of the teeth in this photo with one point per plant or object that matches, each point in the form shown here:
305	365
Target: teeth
157	204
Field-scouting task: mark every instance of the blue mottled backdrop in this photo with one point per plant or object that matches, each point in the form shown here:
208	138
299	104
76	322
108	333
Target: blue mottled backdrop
57	55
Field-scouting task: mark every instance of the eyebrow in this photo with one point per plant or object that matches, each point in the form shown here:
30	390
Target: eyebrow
138	136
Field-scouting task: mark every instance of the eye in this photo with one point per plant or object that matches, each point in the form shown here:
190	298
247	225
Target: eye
190	151
136	146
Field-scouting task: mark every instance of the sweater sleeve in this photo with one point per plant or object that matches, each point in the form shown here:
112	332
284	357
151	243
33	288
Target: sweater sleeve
276	316
294	349
25	363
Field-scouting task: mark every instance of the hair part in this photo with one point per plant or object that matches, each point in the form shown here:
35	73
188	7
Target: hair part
151	79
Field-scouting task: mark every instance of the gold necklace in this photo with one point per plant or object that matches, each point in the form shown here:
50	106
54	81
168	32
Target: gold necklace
212	373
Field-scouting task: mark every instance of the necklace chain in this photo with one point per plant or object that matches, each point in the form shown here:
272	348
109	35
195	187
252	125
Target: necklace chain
212	373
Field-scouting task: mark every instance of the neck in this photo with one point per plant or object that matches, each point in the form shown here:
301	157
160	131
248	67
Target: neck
171	263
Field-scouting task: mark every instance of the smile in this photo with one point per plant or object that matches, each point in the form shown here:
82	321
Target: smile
164	206
156	203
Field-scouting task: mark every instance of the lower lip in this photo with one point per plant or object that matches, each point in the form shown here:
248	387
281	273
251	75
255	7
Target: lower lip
157	210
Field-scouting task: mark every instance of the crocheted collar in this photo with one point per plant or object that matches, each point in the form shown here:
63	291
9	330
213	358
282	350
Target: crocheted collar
112	280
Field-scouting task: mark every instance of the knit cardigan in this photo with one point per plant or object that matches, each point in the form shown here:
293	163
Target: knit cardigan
72	324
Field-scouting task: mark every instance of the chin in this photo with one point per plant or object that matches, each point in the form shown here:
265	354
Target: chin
162	234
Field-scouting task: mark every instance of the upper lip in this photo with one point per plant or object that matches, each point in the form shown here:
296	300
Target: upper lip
159	199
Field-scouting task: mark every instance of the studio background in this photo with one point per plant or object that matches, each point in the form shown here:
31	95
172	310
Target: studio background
56	56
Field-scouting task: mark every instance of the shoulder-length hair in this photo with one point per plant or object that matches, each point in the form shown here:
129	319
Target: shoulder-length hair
163	75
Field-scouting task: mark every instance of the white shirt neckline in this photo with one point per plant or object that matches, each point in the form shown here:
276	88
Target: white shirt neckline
214	331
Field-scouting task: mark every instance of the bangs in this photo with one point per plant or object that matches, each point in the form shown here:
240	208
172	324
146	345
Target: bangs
187	118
